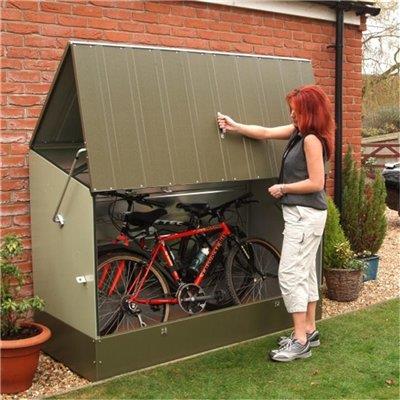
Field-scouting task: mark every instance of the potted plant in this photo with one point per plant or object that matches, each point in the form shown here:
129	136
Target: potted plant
20	339
363	215
342	271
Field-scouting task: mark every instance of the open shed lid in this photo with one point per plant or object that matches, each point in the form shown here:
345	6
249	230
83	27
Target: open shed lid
147	116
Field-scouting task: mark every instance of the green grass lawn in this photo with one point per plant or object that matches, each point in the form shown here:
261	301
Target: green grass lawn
358	359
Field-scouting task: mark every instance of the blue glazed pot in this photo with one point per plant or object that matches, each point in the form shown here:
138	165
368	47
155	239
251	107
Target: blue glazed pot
371	268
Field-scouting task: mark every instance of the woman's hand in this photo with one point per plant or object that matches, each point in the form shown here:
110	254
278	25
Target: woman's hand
226	124
276	191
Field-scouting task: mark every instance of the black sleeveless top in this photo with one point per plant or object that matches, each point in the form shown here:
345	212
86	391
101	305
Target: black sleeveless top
294	169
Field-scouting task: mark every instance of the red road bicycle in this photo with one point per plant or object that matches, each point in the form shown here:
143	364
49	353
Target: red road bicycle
136	288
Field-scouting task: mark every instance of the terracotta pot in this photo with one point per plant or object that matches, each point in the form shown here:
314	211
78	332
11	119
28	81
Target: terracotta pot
19	360
343	284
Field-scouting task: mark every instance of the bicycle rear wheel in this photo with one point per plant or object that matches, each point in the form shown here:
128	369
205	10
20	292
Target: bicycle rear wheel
115	314
249	269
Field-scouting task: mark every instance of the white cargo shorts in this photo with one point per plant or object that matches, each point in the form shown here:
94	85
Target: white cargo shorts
303	231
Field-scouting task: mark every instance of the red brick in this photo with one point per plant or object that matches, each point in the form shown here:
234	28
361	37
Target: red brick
293	26
158	29
252	19
183	32
158	7
102	23
11	39
253	39
42	65
240	28
20	27
51	54
197	23
55	7
272	41
283	34
172	20
33	112
292	44
107	3
67	20
24	76
131	26
37	88
312	28
21	172
11	14
25	267
16	230
12	161
144	38
184	11
23	52
322	39
17	148
231	17
144	17
5	222
11	112
21	124
9	63
21	196
13	136
230	37
264	50
55	30
48	76
88	11
7	185
22	220
87	33
23	4
40	17
171	41
208	14
5	149
39	41
197	44
282	51
131	5
220	46
118	14
117	36
263	31
220	26
243	47
210	35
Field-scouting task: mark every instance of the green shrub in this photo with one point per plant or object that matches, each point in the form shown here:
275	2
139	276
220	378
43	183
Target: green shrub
12	308
363	209
337	252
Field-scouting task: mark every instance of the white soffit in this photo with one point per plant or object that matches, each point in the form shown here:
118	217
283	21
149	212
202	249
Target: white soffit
298	8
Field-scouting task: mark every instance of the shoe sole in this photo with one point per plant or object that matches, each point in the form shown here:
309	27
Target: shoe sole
301	356
314	343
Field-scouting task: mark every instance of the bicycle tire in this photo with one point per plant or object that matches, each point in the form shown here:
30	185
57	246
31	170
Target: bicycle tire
113	314
249	268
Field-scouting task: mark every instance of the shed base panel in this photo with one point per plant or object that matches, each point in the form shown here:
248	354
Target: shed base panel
117	354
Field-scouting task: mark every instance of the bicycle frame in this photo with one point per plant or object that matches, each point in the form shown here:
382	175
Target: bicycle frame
161	249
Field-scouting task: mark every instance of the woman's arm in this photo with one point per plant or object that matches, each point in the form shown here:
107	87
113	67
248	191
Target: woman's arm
227	124
315	167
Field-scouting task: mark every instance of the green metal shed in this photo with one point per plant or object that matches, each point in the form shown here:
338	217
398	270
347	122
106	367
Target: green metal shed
145	118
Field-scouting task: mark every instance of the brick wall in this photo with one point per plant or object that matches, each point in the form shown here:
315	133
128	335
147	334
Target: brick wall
34	35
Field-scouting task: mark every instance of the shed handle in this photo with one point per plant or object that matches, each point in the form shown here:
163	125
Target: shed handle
58	218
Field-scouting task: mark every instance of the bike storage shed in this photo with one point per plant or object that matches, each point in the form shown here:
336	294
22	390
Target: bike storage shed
123	117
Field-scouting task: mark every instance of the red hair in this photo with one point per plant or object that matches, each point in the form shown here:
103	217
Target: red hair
313	114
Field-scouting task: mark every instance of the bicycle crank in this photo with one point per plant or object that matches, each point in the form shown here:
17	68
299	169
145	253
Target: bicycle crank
134	309
192	298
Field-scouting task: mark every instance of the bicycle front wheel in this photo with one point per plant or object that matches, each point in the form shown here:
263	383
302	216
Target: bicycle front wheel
116	277
249	269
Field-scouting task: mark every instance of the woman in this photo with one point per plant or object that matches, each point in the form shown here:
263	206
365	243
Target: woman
301	190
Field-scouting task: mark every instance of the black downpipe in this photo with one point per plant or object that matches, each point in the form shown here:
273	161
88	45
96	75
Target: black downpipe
339	105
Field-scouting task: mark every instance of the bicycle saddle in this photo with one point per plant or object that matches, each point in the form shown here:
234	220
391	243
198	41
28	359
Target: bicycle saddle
198	209
145	219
